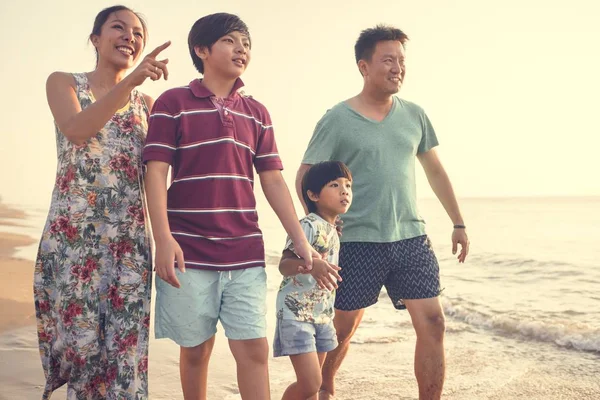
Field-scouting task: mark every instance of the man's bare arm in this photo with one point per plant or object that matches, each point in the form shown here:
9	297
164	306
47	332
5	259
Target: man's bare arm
440	183
299	175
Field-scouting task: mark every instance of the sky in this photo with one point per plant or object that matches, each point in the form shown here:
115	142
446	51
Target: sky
511	87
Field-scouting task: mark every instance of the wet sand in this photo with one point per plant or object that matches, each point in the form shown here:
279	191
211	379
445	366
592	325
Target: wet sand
16	285
479	366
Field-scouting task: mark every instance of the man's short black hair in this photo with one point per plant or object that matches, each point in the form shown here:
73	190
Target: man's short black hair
368	39
207	30
319	175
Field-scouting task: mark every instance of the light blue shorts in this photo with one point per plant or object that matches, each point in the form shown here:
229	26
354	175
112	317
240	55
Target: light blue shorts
297	337
189	315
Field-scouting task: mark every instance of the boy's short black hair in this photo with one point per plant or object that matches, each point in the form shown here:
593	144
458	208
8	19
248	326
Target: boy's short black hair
208	29
368	39
319	175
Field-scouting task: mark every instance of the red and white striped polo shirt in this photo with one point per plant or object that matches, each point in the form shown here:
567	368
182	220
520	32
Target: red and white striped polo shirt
212	145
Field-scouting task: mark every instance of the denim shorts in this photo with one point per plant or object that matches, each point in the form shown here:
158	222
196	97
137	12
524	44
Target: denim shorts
297	337
189	315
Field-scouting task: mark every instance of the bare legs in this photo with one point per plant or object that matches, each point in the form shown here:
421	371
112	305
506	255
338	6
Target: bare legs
308	377
251	357
193	368
430	363
346	323
430	366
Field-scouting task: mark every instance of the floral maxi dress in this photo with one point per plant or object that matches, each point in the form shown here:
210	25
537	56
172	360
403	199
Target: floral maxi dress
92	279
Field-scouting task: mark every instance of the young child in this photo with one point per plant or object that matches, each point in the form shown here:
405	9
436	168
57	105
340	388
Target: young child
305	330
212	136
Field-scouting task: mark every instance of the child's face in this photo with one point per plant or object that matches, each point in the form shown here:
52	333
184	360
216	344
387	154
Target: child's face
335	197
229	56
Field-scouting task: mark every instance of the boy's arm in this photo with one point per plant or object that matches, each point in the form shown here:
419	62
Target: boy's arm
290	264
326	275
440	183
278	196
159	153
167	249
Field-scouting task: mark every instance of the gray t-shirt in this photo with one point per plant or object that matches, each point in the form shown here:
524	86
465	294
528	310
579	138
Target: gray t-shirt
381	157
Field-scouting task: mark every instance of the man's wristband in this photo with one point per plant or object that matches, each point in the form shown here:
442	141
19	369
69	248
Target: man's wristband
459	226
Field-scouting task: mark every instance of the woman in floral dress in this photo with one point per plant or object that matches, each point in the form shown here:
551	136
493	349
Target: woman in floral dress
93	271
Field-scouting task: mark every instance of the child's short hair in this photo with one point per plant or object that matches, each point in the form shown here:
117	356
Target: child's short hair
207	30
319	175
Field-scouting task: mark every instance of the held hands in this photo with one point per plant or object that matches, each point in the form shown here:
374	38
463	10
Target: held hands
305	251
302	268
166	253
150	67
459	235
325	274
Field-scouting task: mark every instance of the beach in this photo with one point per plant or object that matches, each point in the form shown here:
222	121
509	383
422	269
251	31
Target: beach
16	307
485	360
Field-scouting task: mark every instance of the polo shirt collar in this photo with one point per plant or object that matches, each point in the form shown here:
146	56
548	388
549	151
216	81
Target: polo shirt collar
201	91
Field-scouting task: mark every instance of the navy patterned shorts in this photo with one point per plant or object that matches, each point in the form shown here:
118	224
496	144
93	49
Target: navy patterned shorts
408	269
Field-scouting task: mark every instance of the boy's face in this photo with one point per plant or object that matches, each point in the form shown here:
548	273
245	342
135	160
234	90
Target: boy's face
335	197
229	56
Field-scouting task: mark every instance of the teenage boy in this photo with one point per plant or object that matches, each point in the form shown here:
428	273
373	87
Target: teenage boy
212	136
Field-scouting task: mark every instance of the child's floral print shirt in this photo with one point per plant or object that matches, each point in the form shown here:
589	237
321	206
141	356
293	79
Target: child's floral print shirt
299	297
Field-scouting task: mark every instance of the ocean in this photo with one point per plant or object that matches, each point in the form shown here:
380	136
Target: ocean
525	305
526	301
533	272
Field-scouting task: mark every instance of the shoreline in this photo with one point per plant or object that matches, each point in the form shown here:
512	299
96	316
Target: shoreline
16	289
480	364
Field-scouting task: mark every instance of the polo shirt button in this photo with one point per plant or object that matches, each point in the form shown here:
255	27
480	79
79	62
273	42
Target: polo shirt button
226	112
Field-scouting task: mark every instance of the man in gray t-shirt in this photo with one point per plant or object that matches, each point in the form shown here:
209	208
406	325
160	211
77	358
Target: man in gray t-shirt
379	137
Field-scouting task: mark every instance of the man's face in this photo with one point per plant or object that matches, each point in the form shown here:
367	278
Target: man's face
385	71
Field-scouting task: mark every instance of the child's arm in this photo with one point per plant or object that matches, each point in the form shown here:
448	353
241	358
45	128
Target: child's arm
325	274
167	248
290	264
278	196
